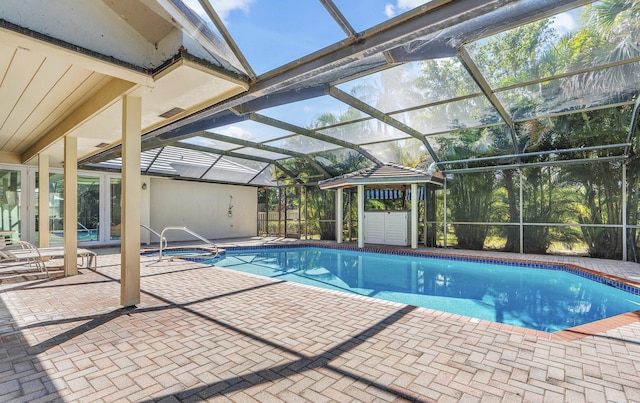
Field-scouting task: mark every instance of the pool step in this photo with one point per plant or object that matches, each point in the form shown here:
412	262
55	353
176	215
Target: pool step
199	257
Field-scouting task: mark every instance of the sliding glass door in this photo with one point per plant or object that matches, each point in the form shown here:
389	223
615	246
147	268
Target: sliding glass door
115	216
88	208
98	207
98	203
10	202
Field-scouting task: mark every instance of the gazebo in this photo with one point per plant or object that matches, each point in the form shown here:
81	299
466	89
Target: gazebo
383	179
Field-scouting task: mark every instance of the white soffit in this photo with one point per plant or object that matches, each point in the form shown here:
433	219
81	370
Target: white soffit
49	88
43	84
39	88
184	85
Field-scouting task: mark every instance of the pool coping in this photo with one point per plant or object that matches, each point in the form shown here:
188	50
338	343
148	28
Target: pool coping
573	333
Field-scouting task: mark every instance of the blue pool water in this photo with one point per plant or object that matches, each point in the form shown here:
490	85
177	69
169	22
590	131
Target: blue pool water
83	235
535	298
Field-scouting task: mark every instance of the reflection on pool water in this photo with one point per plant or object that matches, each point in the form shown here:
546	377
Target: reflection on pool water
83	235
88	235
547	299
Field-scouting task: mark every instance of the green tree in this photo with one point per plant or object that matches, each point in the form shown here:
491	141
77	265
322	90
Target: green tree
472	200
609	36
600	182
522	54
320	205
472	195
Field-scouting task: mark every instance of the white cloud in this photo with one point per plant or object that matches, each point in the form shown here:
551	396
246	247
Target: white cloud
225	7
236	132
563	23
405	5
200	141
391	10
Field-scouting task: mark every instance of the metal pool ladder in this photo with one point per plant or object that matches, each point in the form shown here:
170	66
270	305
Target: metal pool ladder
162	239
187	230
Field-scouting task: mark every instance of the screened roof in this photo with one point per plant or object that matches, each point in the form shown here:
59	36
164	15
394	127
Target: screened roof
343	85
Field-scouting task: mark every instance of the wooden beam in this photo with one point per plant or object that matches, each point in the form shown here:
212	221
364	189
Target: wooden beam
7	157
106	97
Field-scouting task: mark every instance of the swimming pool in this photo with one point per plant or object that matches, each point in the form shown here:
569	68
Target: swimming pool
534	296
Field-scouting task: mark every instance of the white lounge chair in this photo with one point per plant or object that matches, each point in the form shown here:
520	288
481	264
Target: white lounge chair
11	250
88	257
12	253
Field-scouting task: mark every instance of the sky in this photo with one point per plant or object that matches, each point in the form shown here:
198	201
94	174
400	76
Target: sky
564	23
390	9
271	33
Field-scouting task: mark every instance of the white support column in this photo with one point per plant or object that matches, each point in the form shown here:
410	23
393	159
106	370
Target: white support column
70	223
339	213
360	216
426	214
43	200
521	226
414	216
131	199
444	213
624	212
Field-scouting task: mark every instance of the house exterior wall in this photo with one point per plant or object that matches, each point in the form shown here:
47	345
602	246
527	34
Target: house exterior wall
145	211
203	208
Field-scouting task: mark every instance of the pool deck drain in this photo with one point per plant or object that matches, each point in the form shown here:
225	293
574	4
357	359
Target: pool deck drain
206	334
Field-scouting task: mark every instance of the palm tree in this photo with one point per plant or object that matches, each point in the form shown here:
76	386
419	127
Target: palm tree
610	36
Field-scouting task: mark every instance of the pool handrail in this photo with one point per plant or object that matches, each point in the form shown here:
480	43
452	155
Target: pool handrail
85	229
88	231
162	239
187	230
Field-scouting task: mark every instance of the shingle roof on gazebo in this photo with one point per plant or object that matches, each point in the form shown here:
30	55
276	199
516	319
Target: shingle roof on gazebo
386	174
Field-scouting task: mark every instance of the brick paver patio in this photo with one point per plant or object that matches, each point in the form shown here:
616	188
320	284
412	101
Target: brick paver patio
203	333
